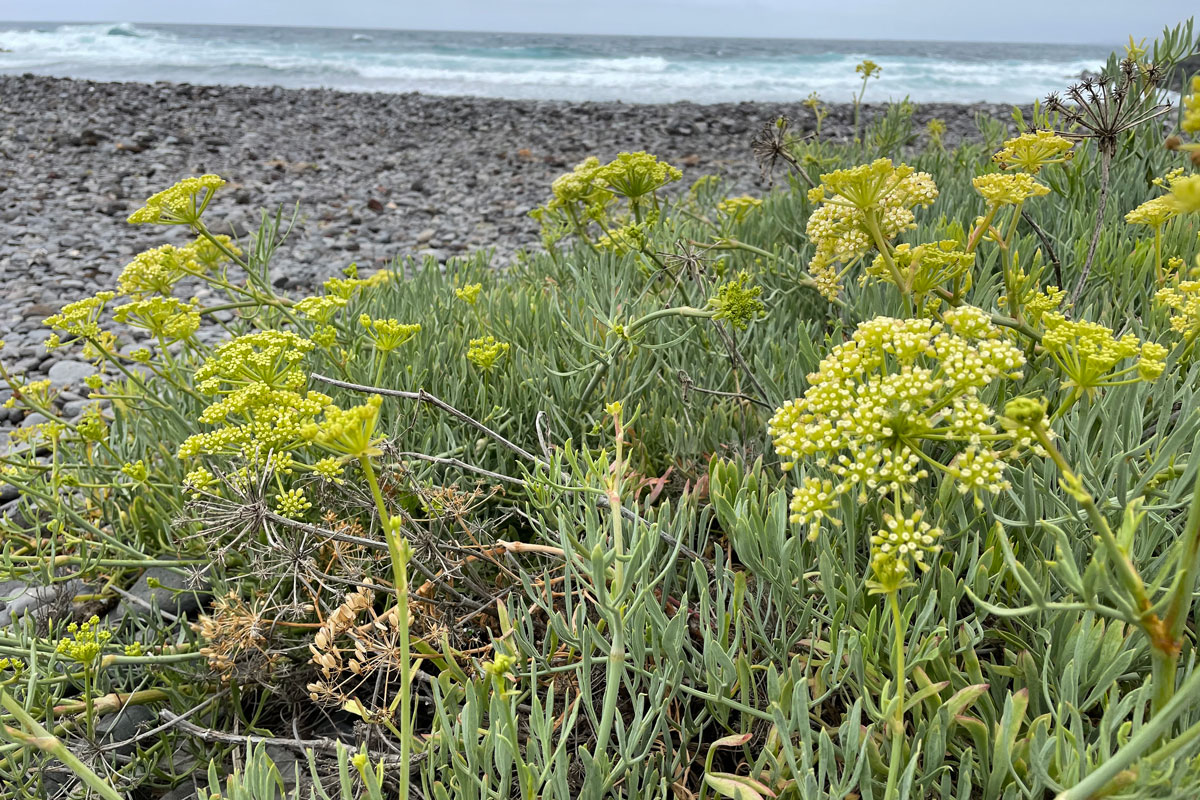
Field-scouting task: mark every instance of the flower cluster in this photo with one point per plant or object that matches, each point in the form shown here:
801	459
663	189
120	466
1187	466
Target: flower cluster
1088	354
738	302
878	399
923	268
387	334
292	503
347	432
1029	152
868	69
1000	189
166	318
261	410
86	642
81	319
1185	194
485	351
585	194
469	294
901	544
738	208
157	270
182	204
1183	301
346	287
321	309
862	207
1191	108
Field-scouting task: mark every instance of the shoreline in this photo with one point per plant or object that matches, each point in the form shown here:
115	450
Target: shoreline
375	175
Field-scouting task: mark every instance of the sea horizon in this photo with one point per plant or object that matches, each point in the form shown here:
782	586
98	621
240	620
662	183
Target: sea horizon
543	66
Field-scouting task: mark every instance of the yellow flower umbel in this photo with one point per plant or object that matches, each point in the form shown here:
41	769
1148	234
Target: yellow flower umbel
386	335
347	432
738	302
863	207
485	351
922	269
469	294
1191	108
1185	194
86	642
1183	304
182	204
81	319
738	208
1088	355
635	175
166	318
1000	189
258	378
878	400
1029	152
901	544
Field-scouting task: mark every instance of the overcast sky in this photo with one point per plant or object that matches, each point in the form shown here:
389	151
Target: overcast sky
1083	21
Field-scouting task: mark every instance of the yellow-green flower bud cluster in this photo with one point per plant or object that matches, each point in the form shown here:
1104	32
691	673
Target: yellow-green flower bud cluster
868	69
322	308
923	268
157	270
1185	194
1183	302
1191	108
349	432
166	318
1000	189
876	400
92	427
346	287
738	302
261	410
738	208
901	544
485	351
387	334
1089	354
182	204
635	175
86	642
1029	152
81	319
292	504
858	206
469	294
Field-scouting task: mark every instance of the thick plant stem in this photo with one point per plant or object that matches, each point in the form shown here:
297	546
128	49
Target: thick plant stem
1105	162
897	722
1182	596
1164	644
38	737
400	552
1155	730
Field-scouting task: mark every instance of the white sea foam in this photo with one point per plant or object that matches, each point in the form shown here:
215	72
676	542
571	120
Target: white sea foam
536	67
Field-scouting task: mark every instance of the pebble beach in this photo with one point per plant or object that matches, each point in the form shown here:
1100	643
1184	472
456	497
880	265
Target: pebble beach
375	177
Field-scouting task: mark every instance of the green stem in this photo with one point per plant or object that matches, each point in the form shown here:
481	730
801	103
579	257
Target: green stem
1094	784
43	740
400	552
897	723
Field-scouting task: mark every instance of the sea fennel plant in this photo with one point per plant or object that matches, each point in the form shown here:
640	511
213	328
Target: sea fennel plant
645	515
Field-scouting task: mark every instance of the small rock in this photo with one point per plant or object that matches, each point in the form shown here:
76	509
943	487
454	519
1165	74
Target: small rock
70	373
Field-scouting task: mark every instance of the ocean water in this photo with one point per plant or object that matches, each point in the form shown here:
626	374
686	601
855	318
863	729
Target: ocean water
537	66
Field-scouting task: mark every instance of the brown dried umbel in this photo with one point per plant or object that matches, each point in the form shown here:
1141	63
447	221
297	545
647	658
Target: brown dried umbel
1102	108
238	640
772	144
